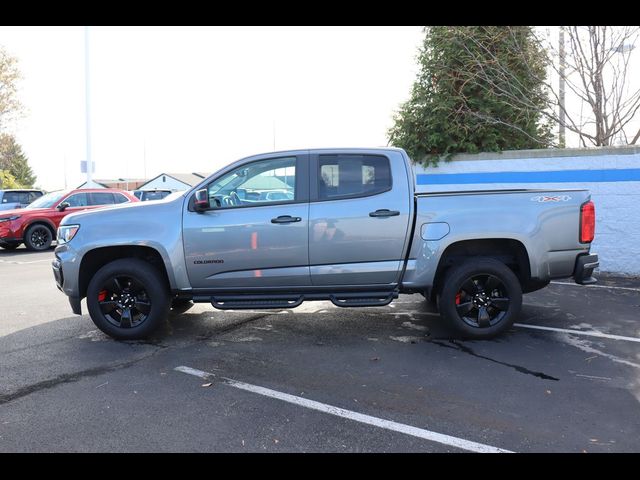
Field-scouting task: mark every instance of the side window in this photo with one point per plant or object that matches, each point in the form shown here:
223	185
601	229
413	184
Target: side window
120	198
77	200
34	195
256	183
12	197
101	198
344	176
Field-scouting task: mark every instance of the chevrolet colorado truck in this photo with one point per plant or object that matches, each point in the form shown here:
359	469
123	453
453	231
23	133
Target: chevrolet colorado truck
344	225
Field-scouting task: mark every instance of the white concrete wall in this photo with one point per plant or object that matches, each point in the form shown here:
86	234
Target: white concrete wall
617	239
170	183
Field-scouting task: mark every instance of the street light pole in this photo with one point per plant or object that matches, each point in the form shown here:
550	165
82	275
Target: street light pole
561	129
87	109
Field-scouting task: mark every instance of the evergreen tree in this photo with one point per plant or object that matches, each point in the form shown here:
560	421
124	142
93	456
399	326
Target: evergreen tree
14	161
452	108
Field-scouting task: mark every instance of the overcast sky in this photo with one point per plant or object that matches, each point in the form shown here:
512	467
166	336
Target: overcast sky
199	98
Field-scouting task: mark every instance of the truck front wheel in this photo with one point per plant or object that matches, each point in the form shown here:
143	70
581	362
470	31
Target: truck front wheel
128	299
481	298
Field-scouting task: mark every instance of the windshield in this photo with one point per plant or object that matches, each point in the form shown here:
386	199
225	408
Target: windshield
46	201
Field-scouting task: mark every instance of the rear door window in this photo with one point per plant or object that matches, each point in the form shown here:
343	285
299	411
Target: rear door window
348	176
100	198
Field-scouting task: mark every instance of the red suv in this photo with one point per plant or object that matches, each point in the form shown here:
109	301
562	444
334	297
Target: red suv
36	224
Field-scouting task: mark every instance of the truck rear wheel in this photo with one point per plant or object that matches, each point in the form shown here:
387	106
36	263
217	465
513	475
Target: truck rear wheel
128	299
481	298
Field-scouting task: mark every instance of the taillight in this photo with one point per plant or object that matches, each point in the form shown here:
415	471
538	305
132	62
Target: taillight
587	222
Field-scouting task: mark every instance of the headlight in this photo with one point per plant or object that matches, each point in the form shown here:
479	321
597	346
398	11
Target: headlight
66	233
8	219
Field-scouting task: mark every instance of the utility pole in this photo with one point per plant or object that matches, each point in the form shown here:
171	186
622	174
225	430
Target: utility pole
561	129
65	170
144	157
87	108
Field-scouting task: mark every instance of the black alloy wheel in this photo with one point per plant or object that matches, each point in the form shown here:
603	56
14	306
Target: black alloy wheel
128	298
482	301
124	302
480	297
38	238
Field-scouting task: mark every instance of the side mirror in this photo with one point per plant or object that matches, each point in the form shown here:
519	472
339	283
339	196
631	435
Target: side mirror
201	200
63	206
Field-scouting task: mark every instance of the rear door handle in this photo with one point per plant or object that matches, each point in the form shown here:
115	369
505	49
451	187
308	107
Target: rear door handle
384	213
286	219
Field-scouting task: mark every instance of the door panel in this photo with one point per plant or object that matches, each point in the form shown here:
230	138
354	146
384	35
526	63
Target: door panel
242	248
349	243
242	245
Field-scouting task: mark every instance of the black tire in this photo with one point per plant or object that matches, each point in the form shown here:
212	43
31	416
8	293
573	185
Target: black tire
10	246
38	238
181	305
133	305
488	305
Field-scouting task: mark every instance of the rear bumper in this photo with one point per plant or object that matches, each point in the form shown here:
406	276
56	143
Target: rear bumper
585	264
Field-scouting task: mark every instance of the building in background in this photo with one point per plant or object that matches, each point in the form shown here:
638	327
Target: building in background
120	183
174	181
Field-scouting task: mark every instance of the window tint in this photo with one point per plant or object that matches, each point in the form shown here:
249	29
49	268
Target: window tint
257	183
352	176
15	197
101	198
120	198
78	200
34	195
154	195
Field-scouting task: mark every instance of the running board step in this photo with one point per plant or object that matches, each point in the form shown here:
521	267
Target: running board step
243	302
363	299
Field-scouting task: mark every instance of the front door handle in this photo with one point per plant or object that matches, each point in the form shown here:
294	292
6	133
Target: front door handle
384	213
286	219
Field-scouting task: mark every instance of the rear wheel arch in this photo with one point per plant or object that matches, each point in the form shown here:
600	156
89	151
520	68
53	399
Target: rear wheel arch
509	251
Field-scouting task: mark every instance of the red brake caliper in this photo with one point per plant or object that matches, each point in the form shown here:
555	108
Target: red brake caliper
458	298
102	295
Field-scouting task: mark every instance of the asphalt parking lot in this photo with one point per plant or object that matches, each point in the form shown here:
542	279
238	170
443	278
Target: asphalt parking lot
319	378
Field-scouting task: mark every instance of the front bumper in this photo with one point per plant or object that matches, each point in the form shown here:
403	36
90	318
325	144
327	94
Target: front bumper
585	264
58	275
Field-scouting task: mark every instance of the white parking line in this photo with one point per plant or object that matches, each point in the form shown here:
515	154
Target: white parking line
16	262
598	286
588	333
355	416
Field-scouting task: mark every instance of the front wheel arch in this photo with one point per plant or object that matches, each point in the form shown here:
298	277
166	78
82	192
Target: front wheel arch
95	259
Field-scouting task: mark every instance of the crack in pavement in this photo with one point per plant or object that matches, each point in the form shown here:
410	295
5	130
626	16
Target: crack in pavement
518	368
72	377
97	371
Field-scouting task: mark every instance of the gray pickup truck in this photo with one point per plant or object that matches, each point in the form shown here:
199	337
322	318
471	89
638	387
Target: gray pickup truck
344	225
